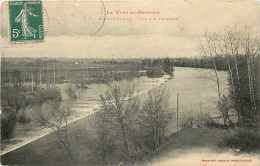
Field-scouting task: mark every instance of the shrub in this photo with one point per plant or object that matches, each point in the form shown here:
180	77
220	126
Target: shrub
8	123
210	123
48	94
154	73
168	66
72	92
155	117
224	106
24	119
244	139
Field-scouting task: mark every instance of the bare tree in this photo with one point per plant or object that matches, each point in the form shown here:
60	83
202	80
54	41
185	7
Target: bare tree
251	49
224	106
155	115
118	104
104	141
241	49
54	116
209	48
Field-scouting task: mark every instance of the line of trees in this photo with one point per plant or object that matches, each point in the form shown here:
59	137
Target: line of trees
37	74
201	62
241	51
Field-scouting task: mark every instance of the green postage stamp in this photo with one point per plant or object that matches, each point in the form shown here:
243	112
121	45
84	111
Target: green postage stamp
26	20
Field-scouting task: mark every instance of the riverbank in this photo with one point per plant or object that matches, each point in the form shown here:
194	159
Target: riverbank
201	146
86	105
189	147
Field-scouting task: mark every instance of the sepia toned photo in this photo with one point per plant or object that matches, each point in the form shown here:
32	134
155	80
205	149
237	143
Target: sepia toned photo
130	82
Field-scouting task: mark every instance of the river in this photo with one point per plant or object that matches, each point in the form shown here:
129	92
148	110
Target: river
197	91
196	87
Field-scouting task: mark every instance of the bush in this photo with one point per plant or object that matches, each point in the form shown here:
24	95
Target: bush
244	139
213	124
168	66
224	106
23	119
8	123
13	98
48	94
155	117
154	73
73	92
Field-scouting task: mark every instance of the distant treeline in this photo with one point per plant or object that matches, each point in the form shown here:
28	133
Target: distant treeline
17	71
201	62
194	62
158	67
48	71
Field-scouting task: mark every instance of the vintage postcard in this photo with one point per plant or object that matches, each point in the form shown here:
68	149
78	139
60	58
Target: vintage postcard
130	82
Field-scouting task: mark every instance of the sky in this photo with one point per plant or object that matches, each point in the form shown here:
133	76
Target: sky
77	28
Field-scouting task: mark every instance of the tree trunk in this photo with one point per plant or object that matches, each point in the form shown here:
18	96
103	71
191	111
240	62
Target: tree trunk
217	78
124	135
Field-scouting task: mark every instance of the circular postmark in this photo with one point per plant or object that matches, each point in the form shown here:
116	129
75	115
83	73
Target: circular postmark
74	17
102	18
